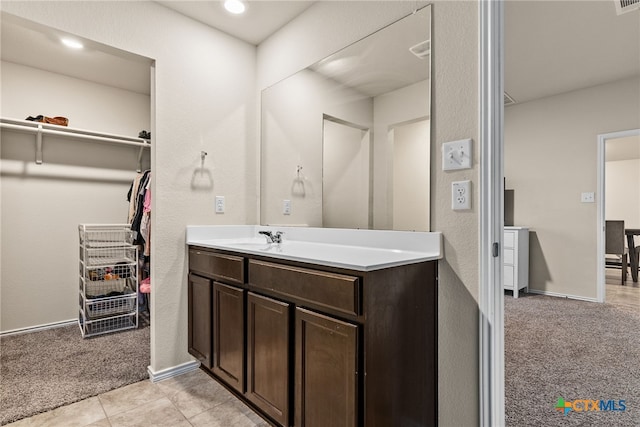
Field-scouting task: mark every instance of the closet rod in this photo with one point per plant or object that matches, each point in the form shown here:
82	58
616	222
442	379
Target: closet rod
43	131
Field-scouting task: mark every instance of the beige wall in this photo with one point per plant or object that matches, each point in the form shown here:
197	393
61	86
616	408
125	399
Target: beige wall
454	116
79	182
194	83
622	190
308	39
550	159
204	100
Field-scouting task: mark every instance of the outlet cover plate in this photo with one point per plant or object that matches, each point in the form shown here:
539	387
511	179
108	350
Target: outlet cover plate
588	197
456	155
219	204
461	195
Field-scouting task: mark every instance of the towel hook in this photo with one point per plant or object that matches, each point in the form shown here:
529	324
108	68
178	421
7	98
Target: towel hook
203	154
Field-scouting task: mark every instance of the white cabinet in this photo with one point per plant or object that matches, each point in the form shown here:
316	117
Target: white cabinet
516	259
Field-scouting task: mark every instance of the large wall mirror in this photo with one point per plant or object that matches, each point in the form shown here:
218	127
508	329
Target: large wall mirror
346	141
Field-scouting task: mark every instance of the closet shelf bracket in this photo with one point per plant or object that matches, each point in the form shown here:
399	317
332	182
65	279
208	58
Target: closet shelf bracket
140	153
39	146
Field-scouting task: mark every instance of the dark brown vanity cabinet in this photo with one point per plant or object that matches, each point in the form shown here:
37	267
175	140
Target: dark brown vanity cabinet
200	292
268	356
228	334
326	371
308	345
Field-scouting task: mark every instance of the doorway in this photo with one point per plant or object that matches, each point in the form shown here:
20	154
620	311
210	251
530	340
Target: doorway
346	175
618	161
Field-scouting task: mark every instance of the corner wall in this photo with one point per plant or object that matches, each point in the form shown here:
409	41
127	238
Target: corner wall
204	100
308	39
550	159
78	182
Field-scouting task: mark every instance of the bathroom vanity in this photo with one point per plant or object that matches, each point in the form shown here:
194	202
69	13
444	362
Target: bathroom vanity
328	328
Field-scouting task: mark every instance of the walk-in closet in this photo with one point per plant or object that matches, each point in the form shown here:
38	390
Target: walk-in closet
76	164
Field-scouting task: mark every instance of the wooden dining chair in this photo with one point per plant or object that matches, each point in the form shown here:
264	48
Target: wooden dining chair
616	254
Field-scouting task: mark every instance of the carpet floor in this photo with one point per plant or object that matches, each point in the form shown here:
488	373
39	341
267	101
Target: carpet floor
559	348
43	370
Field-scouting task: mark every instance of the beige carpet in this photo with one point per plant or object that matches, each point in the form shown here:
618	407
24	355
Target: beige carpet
558	348
42	370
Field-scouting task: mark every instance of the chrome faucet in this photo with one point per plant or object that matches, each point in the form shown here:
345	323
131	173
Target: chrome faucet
272	237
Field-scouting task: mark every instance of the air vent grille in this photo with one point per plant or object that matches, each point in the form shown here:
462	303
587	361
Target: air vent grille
624	6
508	100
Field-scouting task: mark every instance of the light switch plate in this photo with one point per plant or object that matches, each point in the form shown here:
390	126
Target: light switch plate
456	155
286	207
460	195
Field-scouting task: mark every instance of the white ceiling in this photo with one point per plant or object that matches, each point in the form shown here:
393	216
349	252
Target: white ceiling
261	18
550	46
26	43
553	47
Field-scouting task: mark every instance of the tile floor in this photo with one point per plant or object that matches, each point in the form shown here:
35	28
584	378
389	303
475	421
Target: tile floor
627	296
192	399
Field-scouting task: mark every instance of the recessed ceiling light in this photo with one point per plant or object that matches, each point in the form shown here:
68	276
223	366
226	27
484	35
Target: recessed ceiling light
73	44
234	6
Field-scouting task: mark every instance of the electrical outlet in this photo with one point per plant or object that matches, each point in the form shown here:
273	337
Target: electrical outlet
219	204
588	197
286	207
460	195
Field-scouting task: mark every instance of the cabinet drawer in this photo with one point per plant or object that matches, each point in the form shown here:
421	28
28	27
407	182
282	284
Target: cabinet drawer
227	268
334	291
509	276
509	239
509	256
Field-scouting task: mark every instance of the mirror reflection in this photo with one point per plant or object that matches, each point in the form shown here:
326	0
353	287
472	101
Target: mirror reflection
346	141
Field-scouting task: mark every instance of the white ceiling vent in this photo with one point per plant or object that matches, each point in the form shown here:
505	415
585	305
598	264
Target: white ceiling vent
422	49
624	6
508	100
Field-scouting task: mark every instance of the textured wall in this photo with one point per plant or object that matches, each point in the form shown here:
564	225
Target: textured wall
454	116
550	159
204	100
79	182
308	39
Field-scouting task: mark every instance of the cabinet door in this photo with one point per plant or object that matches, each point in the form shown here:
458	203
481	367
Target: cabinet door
200	294
326	376
268	356
228	334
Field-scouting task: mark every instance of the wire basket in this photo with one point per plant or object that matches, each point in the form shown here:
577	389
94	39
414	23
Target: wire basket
107	257
107	297
111	306
102	236
106	325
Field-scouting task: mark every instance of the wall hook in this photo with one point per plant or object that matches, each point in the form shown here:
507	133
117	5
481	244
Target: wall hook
203	154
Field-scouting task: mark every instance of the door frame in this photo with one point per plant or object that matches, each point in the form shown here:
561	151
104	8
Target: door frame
600	204
491	295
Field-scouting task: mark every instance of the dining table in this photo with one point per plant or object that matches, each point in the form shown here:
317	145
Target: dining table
633	261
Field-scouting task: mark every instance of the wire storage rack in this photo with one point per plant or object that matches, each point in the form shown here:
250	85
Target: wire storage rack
108	279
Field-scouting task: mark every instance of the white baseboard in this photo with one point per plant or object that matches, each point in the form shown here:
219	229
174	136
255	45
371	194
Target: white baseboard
174	371
556	294
38	327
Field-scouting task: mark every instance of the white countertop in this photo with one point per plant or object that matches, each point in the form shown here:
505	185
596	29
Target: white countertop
361	250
